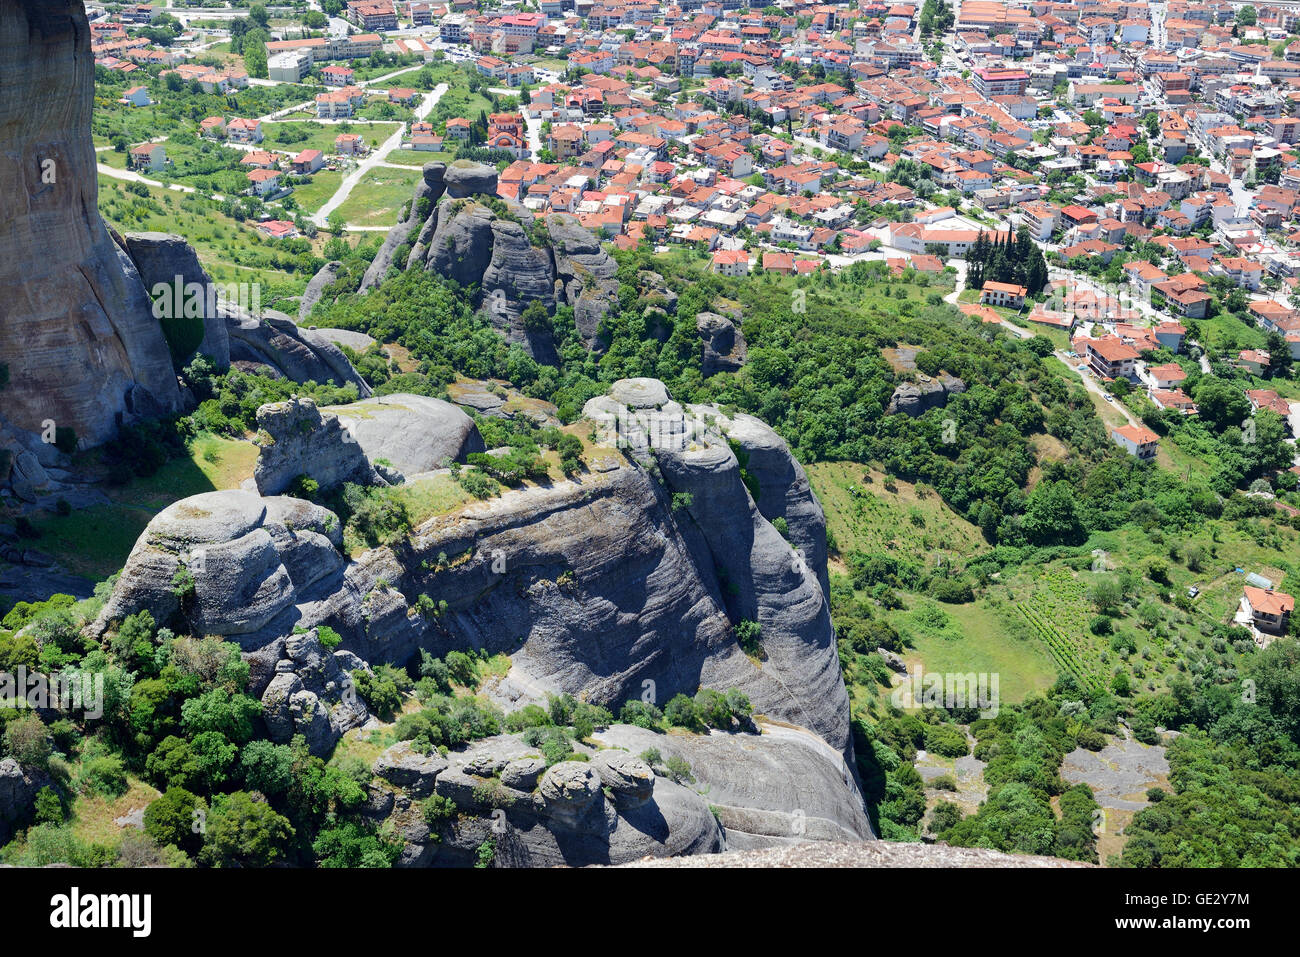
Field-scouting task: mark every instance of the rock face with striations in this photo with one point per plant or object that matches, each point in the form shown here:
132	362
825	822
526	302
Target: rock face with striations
780	787
457	227
251	559
76	326
327	274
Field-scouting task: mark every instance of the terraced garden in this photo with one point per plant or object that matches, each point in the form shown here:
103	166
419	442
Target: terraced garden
1059	618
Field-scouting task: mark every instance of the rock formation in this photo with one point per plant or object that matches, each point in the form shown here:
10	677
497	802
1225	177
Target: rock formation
780	787
311	693
77	330
327	274
749	791
657	590
163	259
410	433
722	345
608	810
297	439
632	575
458	227
891	854
916	398
18	789
275	340
404	434
247	559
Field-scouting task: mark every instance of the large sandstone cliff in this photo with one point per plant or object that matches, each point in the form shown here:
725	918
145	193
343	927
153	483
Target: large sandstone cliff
630	576
458	227
76	327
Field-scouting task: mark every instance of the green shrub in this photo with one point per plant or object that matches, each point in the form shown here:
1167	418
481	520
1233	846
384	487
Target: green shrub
952	591
679	770
1090	739
437	811
749	635
103	775
642	714
682	712
946	740
381	694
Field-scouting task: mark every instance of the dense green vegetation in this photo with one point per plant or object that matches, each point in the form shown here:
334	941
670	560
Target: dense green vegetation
1020	459
1235	770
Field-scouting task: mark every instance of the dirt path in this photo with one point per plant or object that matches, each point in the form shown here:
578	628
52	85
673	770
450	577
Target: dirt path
375	159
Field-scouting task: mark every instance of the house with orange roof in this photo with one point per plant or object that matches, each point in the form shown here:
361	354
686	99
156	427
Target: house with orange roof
778	262
1254	361
1185	295
1005	294
1268	399
244	130
1267	609
731	262
1110	358
264	181
1175	399
1136	440
1167	376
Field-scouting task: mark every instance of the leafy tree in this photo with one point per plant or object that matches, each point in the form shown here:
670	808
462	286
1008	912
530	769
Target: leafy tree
354	844
244	832
172	819
220	710
267	767
683	712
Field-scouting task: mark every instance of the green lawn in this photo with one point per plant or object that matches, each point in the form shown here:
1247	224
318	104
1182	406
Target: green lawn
93	815
111	158
1225	332
418	157
375	201
863	513
96	541
980	639
230	251
312	196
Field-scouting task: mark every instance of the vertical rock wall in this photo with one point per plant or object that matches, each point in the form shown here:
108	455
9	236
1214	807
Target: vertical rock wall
76	326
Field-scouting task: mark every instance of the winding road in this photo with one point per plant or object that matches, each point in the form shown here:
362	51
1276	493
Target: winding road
376	158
